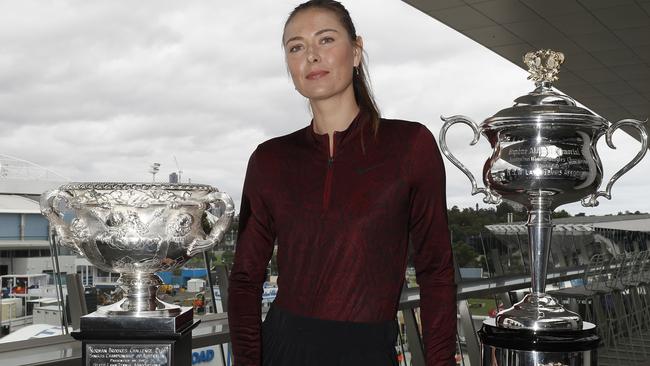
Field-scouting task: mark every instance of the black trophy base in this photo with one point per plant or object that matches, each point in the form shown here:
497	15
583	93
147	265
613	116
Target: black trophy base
136	341
527	347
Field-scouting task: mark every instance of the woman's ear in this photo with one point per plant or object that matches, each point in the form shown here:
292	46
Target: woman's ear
358	51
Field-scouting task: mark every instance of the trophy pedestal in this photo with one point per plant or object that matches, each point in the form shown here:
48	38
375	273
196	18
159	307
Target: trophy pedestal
133	340
527	347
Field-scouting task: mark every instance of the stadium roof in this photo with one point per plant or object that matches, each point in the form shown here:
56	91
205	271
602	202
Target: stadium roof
627	225
18	176
582	224
18	204
606	44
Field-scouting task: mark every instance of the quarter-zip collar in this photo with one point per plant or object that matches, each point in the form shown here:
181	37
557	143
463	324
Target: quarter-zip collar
341	138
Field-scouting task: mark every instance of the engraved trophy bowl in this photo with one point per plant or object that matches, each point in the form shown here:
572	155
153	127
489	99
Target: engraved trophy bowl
137	229
543	156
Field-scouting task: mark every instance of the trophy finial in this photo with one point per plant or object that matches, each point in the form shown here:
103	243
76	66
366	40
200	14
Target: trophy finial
543	65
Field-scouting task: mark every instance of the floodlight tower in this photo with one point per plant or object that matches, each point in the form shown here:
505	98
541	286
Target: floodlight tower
153	169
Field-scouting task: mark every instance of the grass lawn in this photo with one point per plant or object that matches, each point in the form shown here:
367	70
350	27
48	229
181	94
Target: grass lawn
481	306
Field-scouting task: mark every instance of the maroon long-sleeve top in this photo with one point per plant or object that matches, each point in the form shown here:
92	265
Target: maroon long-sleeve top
343	224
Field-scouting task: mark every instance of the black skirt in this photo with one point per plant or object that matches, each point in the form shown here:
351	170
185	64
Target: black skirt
292	340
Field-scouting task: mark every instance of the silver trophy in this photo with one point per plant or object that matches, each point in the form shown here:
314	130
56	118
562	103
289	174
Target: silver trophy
543	156
137	229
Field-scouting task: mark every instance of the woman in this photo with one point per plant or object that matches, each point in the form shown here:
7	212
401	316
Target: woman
343	197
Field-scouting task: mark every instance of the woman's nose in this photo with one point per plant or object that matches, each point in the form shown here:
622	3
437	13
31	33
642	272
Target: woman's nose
312	55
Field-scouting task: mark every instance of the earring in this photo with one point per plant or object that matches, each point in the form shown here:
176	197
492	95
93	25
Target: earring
356	70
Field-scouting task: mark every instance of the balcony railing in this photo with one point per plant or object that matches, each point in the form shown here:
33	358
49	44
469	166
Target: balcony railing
610	291
213	330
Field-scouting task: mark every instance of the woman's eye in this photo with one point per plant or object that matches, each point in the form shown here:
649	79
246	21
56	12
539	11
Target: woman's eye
327	40
295	48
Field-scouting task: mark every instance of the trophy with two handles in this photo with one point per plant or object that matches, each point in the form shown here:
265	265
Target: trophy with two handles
137	229
543	156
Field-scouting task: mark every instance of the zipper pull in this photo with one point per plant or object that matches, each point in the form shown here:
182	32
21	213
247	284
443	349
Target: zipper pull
330	160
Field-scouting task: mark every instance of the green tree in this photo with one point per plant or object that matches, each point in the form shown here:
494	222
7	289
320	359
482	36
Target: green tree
465	255
560	214
228	257
195	262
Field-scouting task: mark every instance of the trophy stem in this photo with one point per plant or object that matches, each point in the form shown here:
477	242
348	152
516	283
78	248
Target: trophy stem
140	290
538	310
140	297
540	230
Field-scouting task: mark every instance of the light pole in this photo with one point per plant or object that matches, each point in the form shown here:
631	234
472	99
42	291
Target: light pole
155	167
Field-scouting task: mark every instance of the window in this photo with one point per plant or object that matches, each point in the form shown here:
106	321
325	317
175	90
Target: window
9	226
36	227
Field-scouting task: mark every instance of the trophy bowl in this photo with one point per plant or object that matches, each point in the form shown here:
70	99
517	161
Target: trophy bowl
137	229
544	145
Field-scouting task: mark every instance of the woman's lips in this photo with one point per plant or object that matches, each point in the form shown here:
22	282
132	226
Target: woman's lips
314	75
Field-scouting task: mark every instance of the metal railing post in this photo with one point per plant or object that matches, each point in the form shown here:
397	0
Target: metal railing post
206	259
57	277
471	338
76	299
222	282
414	338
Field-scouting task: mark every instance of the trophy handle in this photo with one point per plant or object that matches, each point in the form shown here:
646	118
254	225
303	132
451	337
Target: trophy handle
219	223
592	199
490	196
48	209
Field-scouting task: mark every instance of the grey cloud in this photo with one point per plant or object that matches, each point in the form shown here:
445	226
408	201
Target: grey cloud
100	90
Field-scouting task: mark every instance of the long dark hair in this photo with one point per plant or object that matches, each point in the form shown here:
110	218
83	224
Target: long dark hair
362	91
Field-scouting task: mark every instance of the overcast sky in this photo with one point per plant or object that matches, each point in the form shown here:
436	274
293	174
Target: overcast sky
99	90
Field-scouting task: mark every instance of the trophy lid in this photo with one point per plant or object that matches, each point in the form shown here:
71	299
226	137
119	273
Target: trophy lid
545	103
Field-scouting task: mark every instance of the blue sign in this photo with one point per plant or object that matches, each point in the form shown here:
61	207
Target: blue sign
203	356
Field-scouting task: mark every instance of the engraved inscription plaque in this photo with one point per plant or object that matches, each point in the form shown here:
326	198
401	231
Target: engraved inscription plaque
521	164
128	354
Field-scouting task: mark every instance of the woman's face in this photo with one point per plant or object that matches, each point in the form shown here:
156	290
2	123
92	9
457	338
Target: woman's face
319	54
